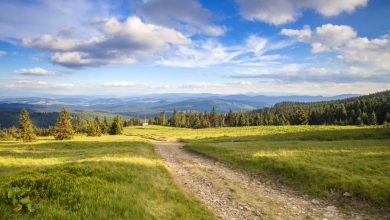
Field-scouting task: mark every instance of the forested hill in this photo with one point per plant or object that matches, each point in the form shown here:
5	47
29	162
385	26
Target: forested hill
367	109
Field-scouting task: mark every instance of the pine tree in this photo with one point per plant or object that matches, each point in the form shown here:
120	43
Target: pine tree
26	128
98	126
300	117
91	129
77	125
163	118
214	122
372	120
116	126
64	129
106	126
387	118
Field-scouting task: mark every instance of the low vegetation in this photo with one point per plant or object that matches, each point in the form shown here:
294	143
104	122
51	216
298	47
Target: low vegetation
89	178
172	133
348	165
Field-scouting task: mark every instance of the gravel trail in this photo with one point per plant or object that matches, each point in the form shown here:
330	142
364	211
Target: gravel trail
233	195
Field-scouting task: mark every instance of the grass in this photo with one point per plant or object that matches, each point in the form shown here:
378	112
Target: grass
90	178
120	177
324	163
155	132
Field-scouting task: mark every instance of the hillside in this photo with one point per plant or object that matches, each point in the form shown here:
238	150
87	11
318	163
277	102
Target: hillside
367	109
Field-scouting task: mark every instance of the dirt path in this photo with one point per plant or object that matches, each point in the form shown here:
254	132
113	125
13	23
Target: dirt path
233	195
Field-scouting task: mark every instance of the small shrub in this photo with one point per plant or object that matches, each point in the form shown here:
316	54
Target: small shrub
20	200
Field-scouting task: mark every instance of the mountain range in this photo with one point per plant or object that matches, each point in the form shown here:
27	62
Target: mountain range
151	105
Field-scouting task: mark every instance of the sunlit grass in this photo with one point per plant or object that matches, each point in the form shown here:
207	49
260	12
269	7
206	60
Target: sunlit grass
110	177
171	133
324	163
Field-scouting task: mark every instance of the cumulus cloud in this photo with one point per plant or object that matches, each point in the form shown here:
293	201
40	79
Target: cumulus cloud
119	42
344	41
37	71
279	12
2	53
187	15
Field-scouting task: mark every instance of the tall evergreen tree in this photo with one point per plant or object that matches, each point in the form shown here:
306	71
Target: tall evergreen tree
26	128
116	126
163	118
300	117
64	129
98	126
372	120
105	126
91	129
214	122
77	125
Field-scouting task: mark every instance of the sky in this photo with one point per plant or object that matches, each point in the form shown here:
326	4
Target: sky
134	47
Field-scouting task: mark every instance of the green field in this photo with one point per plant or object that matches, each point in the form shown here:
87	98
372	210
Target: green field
120	177
324	163
90	178
155	132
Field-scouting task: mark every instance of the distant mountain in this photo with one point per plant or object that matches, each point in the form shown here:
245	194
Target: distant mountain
150	105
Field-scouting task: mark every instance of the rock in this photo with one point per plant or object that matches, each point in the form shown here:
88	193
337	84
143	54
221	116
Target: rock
347	194
331	208
315	201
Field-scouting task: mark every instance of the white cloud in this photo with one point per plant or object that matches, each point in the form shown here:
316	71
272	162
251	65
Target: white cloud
37	71
301	35
31	19
2	53
125	84
279	12
331	37
33	84
344	41
199	54
186	15
118	43
363	51
208	53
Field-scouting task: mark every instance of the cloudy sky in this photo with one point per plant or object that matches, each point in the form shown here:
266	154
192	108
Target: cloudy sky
128	47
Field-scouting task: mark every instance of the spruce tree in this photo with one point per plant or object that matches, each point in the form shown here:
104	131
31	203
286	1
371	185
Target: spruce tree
116	126
26	128
214	118
98	126
64	129
300	117
106	126
163	118
372	120
77	125
387	119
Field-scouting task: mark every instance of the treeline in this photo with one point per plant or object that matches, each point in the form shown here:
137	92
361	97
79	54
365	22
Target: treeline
65	127
364	110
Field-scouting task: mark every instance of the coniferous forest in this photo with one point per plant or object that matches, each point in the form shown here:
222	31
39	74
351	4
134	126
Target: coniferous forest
371	109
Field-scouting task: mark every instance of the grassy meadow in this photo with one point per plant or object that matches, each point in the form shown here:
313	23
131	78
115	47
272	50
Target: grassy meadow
109	177
155	132
120	177
320	162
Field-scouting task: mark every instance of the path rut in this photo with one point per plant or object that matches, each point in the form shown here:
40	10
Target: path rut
234	195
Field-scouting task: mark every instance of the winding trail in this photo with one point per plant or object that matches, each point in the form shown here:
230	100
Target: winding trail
233	195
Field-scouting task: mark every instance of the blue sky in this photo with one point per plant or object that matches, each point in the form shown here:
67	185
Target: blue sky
119	48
